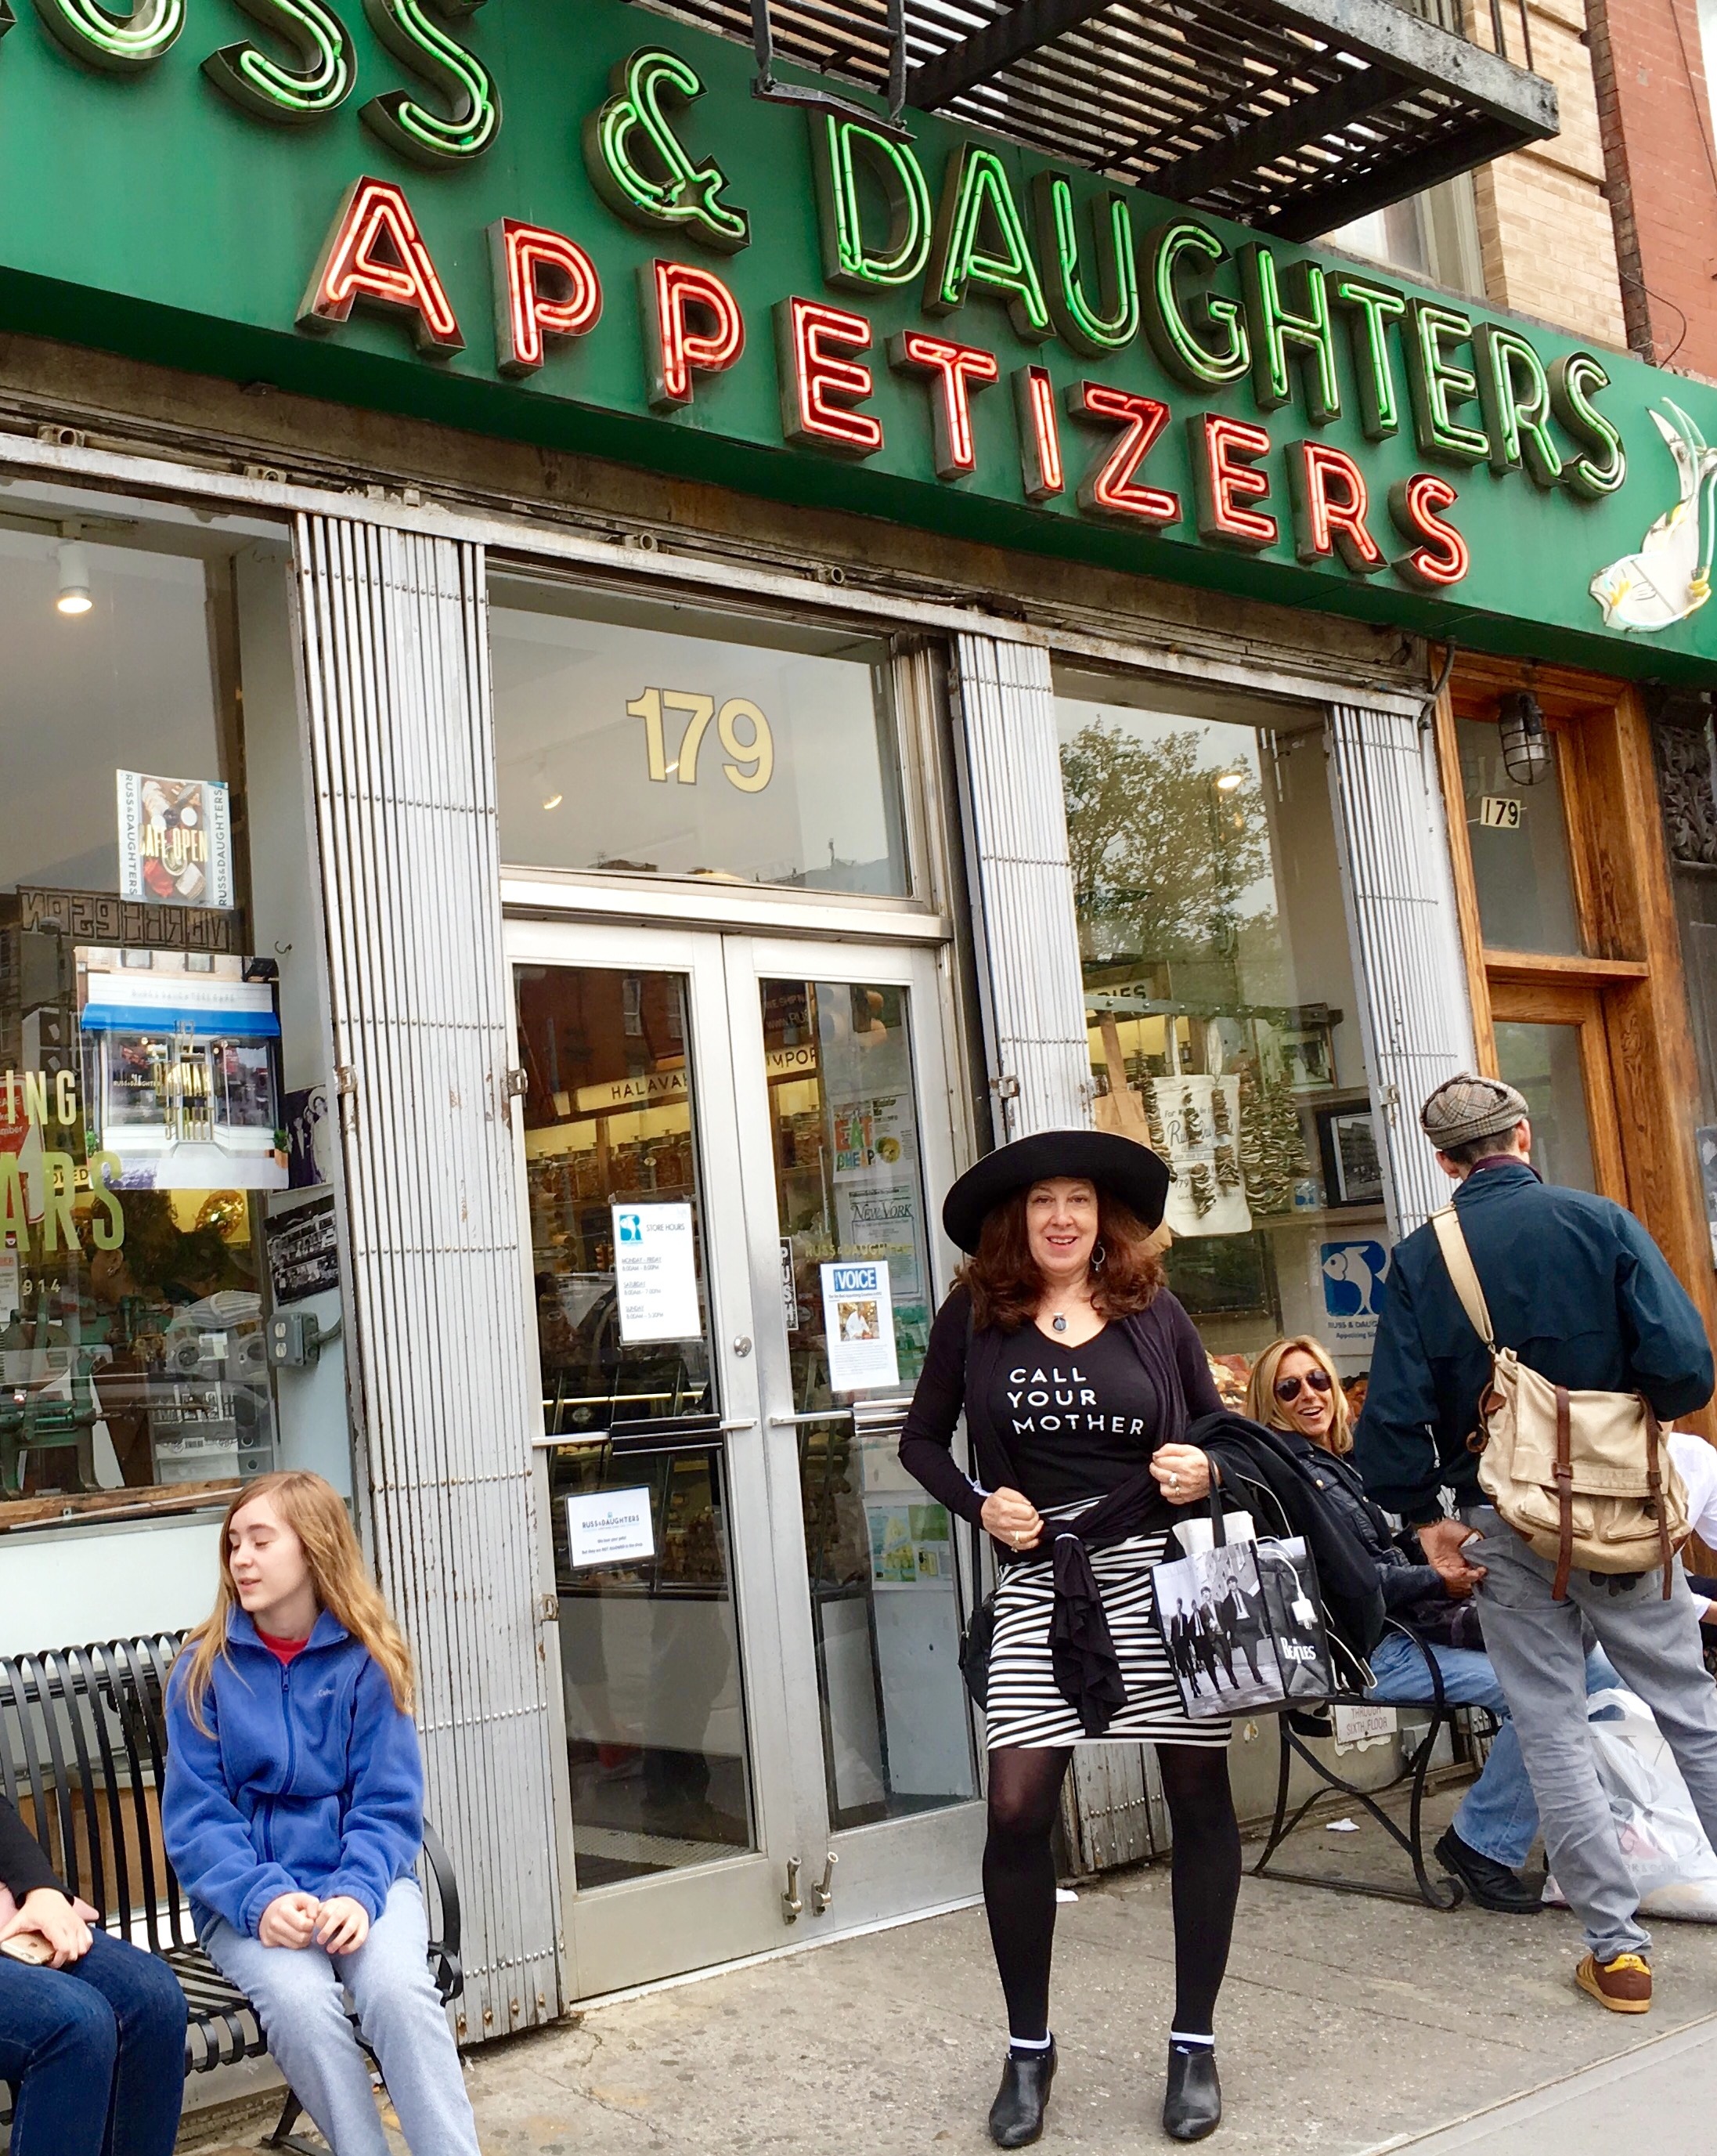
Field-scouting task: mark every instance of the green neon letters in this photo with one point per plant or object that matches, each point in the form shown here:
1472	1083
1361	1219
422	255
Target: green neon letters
321	80
428	137
1514	393
1434	383
1183	353
1370	309
980	239
121	43
1112	323
688	198
1572	382
840	150
1277	325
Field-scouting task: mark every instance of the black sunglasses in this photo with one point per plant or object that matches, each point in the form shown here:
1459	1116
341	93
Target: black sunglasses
1288	1388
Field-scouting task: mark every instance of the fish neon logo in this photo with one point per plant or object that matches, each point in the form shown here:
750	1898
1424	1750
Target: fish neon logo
1670	577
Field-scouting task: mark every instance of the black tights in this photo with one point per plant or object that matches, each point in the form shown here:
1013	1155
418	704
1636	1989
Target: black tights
1019	1877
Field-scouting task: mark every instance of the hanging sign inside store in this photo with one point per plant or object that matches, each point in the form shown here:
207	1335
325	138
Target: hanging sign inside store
175	839
655	1273
580	230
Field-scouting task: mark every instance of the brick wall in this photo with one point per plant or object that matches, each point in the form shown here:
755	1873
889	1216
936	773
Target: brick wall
1544	219
1656	125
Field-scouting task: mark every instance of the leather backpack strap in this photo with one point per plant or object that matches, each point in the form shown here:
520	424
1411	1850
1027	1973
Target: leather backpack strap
1654	1483
1564	1473
1452	1241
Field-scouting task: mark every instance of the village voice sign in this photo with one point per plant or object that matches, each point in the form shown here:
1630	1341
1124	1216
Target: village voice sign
569	222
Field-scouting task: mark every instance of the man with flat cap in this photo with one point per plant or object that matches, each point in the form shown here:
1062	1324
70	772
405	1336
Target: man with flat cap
1577	1288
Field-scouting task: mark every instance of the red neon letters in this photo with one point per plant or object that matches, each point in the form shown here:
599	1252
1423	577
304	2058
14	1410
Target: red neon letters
1039	433
1442	558
1108	488
955	370
374	252
545	285
672	293
1329	504
1224	473
818	388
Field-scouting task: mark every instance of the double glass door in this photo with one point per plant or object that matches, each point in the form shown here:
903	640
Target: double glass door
733	1150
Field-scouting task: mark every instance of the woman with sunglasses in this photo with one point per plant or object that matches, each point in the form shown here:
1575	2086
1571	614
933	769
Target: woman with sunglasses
1295	1389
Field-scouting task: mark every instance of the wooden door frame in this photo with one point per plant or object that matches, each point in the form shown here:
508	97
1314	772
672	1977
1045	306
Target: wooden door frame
1633	962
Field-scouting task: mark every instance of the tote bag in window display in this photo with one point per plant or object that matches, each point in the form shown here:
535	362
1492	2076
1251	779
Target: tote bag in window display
1241	1621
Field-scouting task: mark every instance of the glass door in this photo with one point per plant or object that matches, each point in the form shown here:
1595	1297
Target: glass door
1550	1043
841	1074
678	1805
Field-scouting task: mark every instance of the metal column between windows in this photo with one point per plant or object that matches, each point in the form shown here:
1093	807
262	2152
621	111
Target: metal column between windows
1416	1024
393	628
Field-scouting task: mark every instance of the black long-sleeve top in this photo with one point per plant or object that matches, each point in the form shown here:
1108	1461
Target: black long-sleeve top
23	1866
1173	1368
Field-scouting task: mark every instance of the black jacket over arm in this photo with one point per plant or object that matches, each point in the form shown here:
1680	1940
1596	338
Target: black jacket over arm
1167	1344
23	1866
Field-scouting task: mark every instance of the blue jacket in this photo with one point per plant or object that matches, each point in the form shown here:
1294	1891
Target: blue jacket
1574	1285
311	1782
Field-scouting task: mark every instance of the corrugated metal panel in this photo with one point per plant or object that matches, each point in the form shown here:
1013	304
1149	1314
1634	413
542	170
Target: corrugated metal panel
1415	1022
395	647
1022	895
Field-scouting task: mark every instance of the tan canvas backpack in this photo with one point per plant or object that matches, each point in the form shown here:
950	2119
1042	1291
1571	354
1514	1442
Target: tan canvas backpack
1584	1477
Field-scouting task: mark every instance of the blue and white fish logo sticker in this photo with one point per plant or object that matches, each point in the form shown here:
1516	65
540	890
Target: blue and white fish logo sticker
1670	577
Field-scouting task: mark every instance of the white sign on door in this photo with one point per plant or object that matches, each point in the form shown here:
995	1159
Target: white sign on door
656	1273
858	1322
609	1527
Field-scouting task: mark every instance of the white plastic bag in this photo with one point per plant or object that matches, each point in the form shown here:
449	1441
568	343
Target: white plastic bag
1673	1866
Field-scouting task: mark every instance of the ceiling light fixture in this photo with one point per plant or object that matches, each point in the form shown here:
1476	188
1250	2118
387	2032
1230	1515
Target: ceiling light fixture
554	801
1526	752
74	576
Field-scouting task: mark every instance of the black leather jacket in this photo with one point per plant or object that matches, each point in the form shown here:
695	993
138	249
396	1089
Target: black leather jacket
1402	1580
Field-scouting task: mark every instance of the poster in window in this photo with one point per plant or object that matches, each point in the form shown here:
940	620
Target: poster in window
1353	1168
175	839
858	1325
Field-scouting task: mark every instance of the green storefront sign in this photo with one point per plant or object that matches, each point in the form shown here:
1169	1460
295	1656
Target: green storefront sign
574	225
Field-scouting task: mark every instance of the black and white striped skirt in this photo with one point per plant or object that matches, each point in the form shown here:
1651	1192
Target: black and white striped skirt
1024	1707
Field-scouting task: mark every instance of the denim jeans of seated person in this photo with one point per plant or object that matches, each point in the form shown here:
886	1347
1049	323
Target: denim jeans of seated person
297	1992
1499	1815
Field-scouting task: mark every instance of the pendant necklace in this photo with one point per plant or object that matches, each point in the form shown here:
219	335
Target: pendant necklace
1059	1322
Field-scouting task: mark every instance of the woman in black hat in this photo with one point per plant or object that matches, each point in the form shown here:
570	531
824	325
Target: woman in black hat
1078	1373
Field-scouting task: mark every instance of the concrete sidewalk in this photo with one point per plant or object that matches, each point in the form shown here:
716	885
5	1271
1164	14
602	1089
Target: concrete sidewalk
1348	2025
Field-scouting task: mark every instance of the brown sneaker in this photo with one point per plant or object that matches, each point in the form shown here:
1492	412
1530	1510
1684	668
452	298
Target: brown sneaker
1624	1985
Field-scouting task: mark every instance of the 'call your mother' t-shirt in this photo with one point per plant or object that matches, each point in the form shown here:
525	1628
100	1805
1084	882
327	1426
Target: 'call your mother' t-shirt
1076	1422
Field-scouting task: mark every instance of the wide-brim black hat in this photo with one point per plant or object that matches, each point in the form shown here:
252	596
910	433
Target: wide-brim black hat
1122	1166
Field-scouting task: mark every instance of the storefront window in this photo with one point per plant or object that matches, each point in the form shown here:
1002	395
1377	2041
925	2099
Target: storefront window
141	1117
1221	1006
1518	836
664	740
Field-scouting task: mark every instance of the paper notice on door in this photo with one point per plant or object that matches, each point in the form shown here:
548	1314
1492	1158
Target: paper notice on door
609	1527
859	1321
656	1273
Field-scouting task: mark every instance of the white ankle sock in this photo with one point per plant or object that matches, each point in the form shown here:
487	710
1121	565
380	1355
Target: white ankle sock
1185	2043
1029	2043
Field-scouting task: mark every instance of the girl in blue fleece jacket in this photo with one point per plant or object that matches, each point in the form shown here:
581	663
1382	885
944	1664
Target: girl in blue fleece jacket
293	1811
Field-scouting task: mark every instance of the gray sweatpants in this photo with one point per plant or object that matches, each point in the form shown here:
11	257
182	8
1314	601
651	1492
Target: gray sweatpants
296	1991
1534	1644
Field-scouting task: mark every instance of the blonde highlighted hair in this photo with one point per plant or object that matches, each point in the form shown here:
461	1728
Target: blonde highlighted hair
1263	1405
312	1508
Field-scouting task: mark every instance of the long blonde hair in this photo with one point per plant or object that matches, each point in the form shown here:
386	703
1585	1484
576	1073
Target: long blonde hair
312	1508
1263	1405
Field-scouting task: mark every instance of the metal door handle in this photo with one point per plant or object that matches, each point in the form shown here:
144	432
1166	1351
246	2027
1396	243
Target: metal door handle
822	1893
792	1908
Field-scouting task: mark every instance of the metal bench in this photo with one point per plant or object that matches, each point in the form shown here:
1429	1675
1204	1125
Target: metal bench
1292	1733
82	1746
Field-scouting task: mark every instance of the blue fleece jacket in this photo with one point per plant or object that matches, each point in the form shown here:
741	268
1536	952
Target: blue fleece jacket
311	1780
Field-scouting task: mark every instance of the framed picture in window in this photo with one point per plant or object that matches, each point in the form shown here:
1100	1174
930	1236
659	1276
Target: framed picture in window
1353	1170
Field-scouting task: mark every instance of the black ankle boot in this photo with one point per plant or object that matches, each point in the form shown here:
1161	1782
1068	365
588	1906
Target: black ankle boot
1192	2103
1017	2115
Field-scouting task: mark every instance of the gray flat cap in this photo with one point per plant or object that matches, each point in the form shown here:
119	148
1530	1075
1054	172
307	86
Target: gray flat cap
1468	1107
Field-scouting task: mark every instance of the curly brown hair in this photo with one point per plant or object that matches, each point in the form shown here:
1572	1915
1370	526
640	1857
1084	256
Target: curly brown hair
1007	1287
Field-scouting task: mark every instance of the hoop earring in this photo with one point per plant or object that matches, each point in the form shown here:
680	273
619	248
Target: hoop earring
1099	1256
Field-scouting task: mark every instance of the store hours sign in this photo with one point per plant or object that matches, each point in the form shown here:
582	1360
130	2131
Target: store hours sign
577	227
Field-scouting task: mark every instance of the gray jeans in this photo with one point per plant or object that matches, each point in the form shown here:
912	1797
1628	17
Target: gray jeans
1535	1645
296	1991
